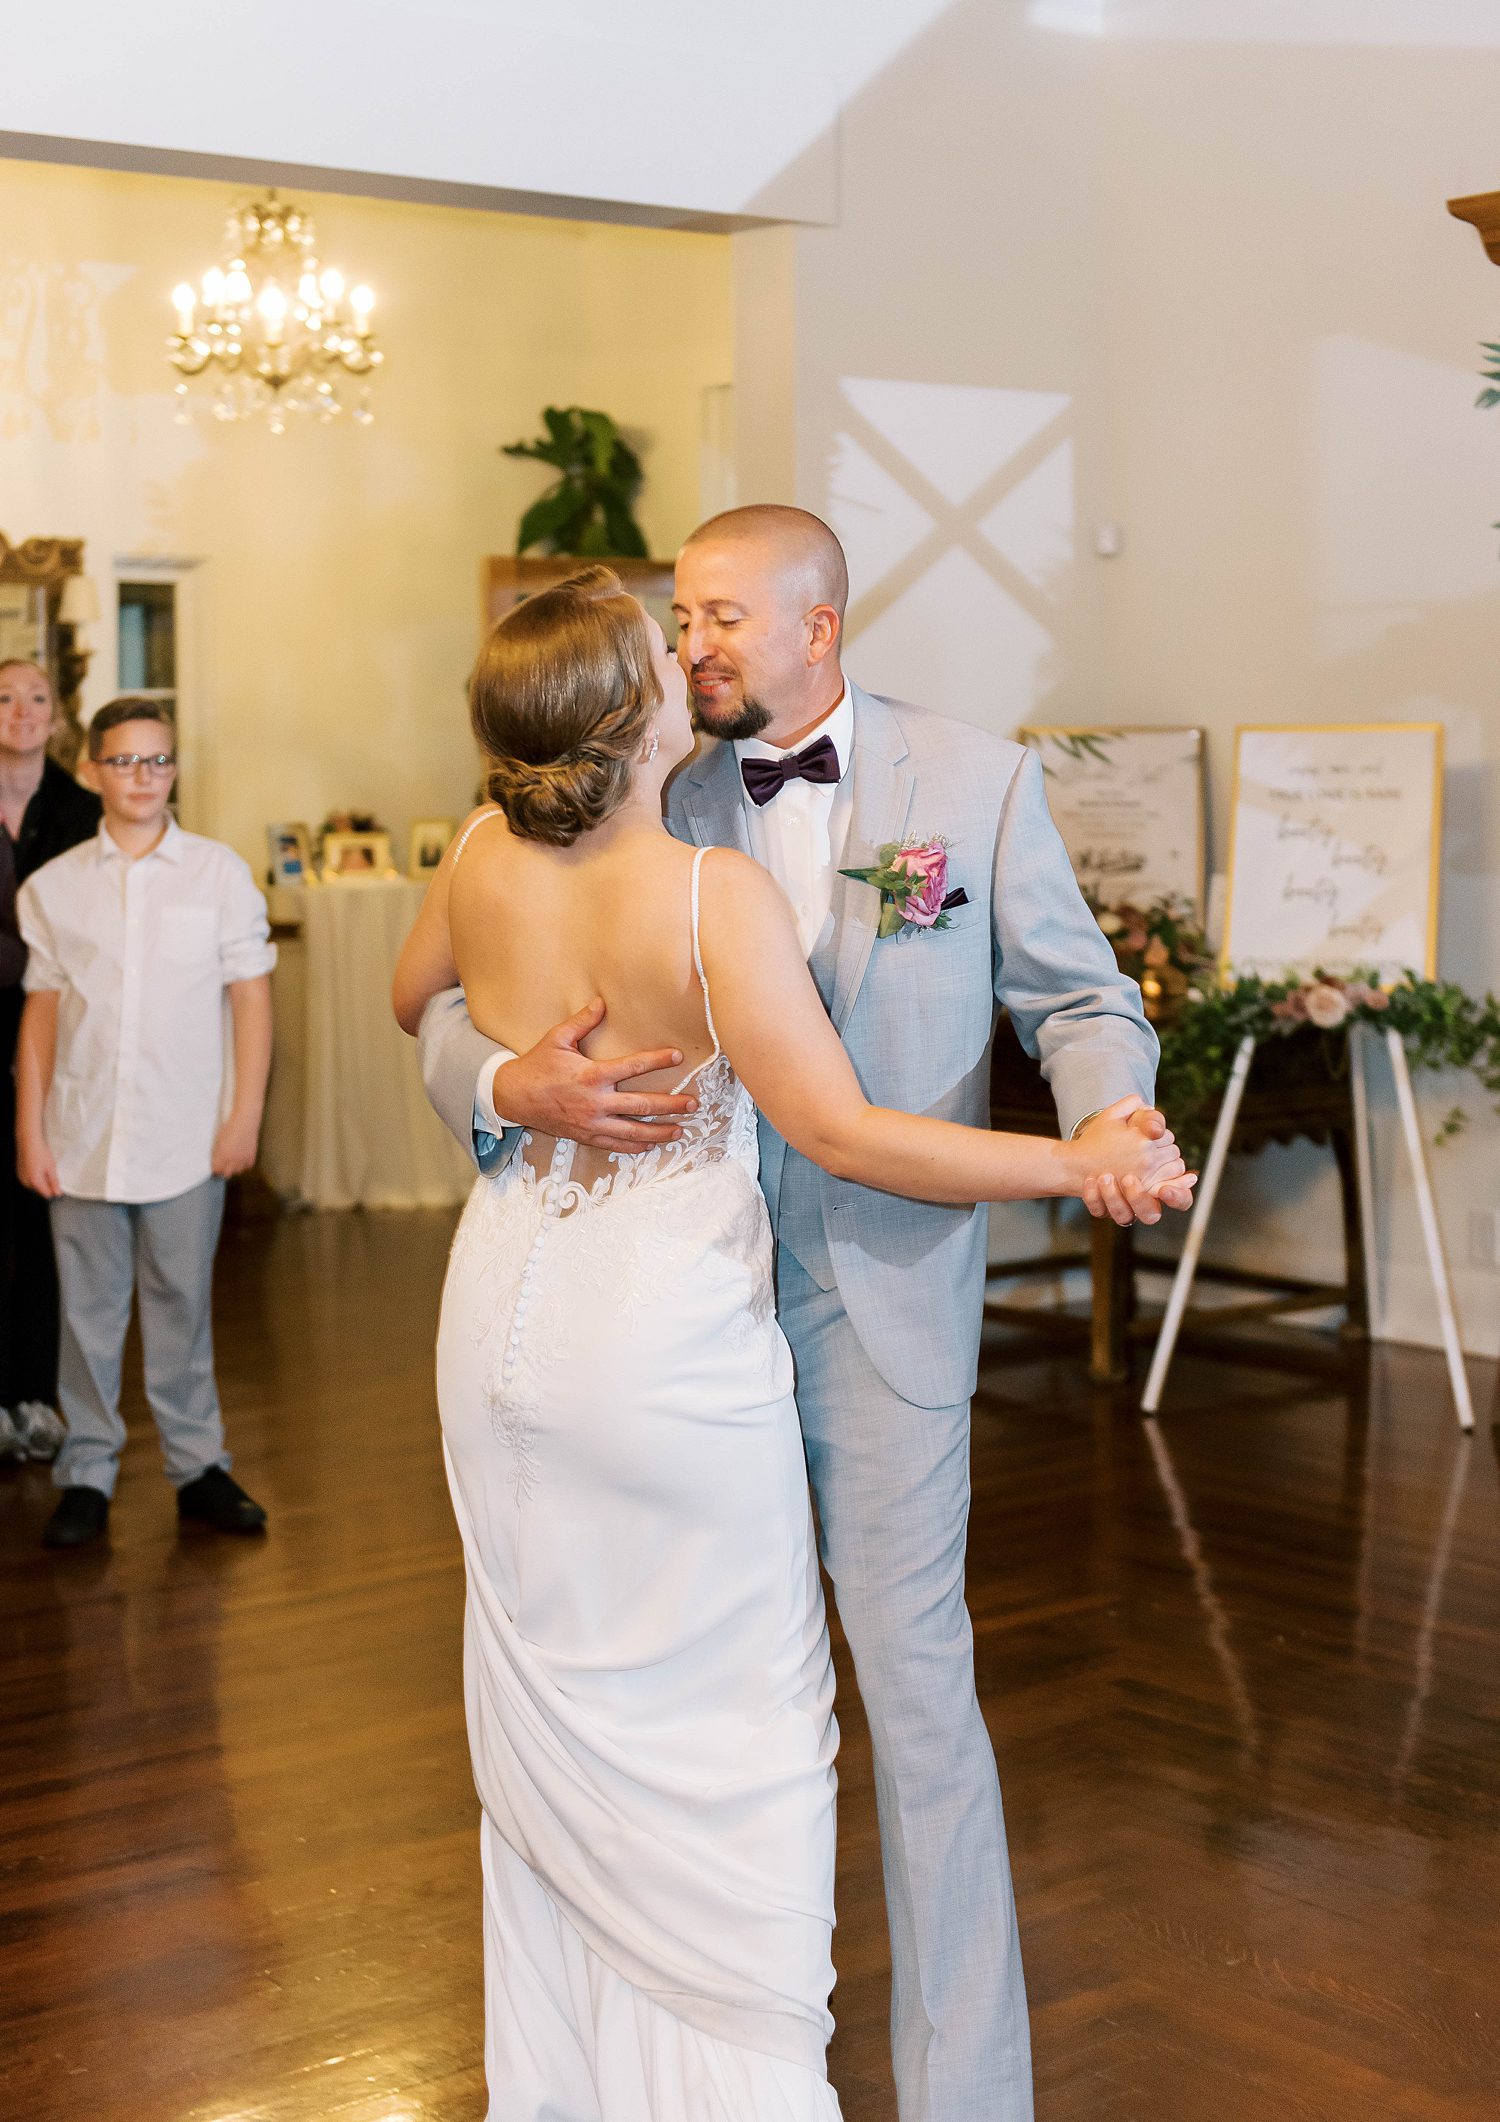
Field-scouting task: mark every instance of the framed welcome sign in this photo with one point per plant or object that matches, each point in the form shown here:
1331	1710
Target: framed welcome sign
1128	802
1335	845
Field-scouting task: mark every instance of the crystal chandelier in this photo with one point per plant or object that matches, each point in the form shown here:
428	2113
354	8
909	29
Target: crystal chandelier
275	327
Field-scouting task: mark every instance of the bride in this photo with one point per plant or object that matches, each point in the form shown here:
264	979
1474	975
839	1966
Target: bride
647	1671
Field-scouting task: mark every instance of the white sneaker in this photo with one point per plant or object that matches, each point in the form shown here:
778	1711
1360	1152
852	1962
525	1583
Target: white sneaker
11	1446
40	1430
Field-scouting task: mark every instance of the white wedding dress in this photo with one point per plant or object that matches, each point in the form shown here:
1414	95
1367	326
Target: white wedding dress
647	1669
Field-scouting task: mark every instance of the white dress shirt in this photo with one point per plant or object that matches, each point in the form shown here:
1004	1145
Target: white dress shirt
139	953
800	835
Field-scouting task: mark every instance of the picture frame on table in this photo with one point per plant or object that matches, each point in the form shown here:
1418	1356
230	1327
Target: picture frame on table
430	841
290	851
355	858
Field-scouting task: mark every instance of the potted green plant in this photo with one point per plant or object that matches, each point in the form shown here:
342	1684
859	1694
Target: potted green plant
587	509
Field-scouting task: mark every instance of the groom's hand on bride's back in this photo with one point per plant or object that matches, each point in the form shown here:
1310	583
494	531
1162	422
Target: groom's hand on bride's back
555	1089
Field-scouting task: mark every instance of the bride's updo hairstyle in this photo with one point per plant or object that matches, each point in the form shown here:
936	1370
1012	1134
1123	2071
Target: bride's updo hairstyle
561	701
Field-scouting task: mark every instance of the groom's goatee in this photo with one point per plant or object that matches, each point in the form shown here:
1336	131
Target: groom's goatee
746	720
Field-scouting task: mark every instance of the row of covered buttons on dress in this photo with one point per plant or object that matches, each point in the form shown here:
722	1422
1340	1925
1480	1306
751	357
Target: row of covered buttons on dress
552	1195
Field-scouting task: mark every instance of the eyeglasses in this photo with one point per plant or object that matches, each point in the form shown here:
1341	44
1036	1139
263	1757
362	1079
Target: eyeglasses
132	762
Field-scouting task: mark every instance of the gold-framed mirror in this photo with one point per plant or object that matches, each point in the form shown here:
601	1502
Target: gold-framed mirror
45	600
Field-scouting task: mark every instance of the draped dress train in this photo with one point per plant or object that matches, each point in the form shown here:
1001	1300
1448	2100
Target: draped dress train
647	1672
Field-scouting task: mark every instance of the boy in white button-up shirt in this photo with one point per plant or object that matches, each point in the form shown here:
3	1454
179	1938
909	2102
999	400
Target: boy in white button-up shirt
135	939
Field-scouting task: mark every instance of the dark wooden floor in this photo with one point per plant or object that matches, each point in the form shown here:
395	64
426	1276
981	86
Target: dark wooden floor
1242	1668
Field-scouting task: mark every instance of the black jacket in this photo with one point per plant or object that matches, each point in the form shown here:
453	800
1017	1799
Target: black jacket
59	816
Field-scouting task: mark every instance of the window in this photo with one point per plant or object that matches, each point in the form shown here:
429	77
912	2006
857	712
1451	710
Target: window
147	664
158	657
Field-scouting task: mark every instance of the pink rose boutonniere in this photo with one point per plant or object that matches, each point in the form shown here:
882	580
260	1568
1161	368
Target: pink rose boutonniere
912	880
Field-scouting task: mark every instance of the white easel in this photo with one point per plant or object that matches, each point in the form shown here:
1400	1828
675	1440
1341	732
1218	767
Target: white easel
1416	1150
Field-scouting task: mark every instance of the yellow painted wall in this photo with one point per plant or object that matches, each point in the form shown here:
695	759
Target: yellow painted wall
335	611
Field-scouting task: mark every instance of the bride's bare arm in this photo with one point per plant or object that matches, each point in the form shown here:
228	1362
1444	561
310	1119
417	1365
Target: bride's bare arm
776	1033
425	967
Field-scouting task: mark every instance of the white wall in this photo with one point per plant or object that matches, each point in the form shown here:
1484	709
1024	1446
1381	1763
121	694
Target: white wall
946	341
1307	490
337	604
1187	267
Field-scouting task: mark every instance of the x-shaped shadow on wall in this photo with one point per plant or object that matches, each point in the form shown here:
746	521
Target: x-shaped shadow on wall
955	525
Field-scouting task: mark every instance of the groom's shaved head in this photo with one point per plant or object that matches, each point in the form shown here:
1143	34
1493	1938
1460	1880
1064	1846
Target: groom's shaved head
791	542
759	606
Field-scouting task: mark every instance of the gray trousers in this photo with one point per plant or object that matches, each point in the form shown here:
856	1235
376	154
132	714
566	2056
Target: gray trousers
106	1252
892	1488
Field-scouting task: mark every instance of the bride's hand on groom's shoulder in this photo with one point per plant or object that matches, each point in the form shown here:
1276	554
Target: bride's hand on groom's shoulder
1131	1166
556	1089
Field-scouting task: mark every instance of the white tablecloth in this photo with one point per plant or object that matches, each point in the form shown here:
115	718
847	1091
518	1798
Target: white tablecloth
347	1121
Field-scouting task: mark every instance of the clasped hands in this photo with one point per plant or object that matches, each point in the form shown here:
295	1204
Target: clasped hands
1132	1168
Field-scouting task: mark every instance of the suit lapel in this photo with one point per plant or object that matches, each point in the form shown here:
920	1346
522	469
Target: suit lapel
712	802
882	799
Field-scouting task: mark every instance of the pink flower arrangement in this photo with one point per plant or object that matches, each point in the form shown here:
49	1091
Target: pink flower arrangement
1327	1002
1163	948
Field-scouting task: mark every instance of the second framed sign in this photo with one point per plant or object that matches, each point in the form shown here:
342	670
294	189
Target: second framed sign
1335	842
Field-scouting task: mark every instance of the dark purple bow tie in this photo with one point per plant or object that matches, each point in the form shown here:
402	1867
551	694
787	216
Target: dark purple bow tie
765	778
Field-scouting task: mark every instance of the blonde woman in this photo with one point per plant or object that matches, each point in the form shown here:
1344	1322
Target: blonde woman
43	812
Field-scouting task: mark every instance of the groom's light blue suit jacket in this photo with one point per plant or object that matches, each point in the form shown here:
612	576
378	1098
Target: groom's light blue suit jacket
916	1012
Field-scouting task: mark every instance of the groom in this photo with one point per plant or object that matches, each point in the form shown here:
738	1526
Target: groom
881	1298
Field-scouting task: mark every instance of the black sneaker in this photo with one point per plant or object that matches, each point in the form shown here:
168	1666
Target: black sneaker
81	1516
214	1499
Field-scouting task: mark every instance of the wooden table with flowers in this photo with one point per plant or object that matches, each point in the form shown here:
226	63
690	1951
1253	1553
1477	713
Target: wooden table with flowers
1299	1089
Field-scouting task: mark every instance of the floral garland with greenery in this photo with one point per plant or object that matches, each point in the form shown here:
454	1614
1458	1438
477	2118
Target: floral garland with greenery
1200	1022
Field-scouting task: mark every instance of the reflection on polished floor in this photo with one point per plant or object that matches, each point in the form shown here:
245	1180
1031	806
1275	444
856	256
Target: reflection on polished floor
1242	1666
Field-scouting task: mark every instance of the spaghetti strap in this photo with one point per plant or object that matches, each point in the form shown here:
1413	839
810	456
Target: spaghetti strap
708	1008
481	818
